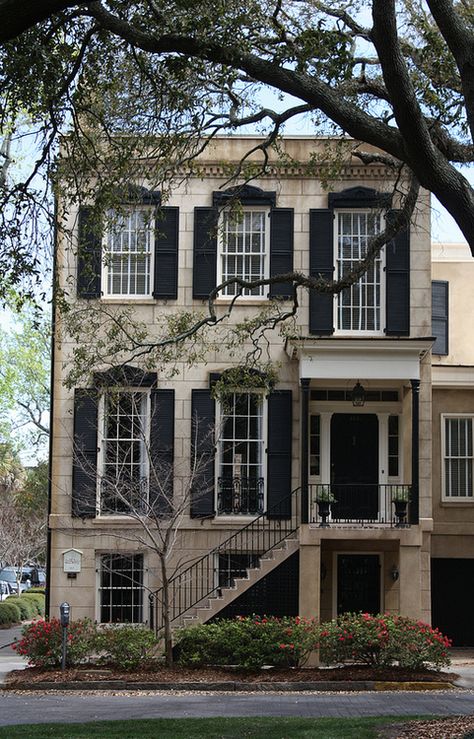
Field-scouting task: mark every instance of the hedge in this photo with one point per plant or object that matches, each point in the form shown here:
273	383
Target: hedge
9	613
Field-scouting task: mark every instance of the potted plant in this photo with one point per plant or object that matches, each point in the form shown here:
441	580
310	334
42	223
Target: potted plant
324	498
400	499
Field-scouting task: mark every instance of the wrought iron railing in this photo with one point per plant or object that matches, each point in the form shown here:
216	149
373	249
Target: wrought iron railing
390	505
201	579
240	495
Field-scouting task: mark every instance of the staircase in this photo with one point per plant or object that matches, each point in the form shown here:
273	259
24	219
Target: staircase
195	594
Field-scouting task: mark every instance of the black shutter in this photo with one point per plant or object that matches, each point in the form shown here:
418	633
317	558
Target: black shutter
279	454
84	469
203	453
440	316
321	262
166	254
397	283
205	252
89	254
281	249
161	452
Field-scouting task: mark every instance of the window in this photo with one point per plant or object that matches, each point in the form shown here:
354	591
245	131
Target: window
244	247
315	446
458	457
359	306
121	588
128	253
393	446
124	477
440	316
240	453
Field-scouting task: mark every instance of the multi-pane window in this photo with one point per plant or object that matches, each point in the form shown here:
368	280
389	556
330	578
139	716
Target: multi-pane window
358	306
458	457
128	253
315	446
241	442
124	481
121	588
393	446
244	250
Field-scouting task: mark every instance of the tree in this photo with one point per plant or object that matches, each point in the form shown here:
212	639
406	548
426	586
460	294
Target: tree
22	512
153	503
24	381
394	76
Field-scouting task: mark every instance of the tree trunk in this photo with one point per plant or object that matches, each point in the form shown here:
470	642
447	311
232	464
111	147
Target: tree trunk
166	607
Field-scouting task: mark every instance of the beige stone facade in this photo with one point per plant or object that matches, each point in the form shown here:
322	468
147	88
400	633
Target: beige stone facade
360	545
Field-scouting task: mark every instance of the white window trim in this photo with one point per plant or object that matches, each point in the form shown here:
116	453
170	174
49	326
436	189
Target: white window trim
101	445
266	273
217	465
145	587
383	318
452	500
119	297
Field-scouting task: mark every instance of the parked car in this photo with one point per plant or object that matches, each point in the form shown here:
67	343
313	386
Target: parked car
8	574
35	576
6	590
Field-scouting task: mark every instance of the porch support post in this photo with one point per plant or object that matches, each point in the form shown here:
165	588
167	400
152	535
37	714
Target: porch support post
304	451
310	588
415	450
410	581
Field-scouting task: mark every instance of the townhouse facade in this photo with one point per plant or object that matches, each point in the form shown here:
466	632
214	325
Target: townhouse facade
317	486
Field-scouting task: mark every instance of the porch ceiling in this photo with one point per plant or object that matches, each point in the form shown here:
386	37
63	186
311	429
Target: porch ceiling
370	359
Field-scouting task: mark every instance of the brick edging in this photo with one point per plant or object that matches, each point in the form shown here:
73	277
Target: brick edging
233	686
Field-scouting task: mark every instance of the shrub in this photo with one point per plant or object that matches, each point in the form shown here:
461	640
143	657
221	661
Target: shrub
37	600
26	607
382	640
41	642
36	589
9	613
249	642
127	647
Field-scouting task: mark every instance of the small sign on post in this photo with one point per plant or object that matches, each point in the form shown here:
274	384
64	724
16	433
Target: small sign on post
64	611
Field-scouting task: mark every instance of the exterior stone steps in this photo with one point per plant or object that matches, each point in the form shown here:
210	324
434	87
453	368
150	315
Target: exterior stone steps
210	607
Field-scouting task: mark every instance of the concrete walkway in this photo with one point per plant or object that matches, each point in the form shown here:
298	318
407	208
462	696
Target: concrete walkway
462	662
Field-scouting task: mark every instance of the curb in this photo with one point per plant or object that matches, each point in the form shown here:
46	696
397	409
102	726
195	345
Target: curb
231	686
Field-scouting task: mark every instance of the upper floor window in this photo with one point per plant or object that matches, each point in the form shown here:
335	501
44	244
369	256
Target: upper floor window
124	468
458	457
128	253
240	454
359	307
244	250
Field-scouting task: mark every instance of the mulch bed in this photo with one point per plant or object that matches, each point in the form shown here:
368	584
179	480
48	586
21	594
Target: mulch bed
213	675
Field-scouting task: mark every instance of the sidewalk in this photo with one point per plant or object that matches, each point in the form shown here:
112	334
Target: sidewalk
9	660
462	662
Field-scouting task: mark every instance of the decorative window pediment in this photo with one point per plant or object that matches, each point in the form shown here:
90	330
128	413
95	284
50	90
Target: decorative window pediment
359	197
246	194
125	376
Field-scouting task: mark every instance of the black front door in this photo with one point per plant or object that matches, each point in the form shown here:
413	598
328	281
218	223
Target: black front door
355	465
358	583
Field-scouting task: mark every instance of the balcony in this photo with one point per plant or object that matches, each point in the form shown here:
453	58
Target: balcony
240	496
364	505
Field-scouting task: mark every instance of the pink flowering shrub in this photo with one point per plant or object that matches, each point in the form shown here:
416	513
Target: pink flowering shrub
382	640
249	642
41	642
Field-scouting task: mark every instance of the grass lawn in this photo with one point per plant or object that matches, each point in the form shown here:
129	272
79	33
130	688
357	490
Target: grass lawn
209	728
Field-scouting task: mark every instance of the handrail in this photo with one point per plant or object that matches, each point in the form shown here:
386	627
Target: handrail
200	579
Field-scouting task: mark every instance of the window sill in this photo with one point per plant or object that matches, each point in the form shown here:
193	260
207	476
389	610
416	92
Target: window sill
115	520
446	502
127	300
241	301
227	519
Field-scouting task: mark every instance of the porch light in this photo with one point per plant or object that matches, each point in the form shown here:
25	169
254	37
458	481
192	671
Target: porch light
395	573
358	395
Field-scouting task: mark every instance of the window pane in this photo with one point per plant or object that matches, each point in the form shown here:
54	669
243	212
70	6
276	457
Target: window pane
243	243
458	457
359	305
128	253
121	588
